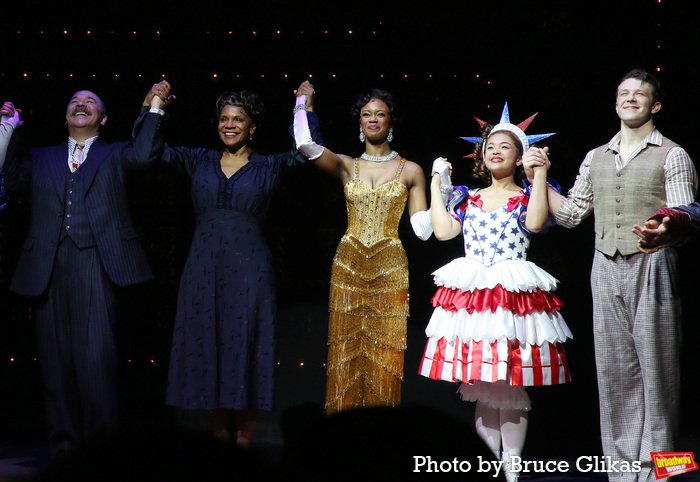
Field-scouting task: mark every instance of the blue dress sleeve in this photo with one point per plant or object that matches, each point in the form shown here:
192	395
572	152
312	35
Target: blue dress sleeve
693	210
294	157
313	127
185	159
551	221
312	119
455	205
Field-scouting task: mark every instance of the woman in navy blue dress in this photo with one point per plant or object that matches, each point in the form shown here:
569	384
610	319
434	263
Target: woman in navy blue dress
223	341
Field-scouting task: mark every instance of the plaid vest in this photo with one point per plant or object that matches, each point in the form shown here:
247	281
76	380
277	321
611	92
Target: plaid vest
626	197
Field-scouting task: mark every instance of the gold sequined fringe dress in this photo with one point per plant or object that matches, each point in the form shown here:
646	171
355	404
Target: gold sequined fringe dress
368	299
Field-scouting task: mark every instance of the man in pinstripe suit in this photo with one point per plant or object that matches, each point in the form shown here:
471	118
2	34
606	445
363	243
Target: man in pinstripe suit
81	244
636	305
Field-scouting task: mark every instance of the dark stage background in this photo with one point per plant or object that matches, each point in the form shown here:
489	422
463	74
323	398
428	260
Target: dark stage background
445	62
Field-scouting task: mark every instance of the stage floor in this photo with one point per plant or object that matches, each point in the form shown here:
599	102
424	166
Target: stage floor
563	424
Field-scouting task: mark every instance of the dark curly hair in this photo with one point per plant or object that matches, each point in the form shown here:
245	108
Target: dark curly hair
479	168
378	94
251	104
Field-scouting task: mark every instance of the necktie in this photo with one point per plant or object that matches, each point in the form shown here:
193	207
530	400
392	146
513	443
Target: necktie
78	157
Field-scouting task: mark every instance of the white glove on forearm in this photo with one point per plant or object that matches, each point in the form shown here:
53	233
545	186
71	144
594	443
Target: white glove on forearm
422	225
441	167
302	134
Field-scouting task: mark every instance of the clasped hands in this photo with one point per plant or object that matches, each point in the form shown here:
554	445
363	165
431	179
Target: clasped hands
534	159
159	96
653	235
10	114
306	89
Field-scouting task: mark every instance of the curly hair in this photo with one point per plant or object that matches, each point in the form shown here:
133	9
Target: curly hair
251	104
479	168
365	98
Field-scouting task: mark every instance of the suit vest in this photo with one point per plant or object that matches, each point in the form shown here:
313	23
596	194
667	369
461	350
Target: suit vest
626	197
76	223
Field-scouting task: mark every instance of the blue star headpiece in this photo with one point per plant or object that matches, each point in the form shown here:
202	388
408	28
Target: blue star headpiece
505	125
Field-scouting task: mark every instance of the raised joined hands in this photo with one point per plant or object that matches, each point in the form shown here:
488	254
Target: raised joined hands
159	96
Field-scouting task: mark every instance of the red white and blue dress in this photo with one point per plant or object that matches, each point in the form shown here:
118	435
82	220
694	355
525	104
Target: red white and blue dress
496	323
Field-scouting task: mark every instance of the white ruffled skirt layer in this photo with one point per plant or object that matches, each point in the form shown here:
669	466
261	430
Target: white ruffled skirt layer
498	323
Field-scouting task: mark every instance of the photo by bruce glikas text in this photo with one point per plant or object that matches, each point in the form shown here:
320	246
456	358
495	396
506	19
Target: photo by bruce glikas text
584	464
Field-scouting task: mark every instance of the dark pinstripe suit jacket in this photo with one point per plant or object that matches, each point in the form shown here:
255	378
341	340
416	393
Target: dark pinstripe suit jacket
44	171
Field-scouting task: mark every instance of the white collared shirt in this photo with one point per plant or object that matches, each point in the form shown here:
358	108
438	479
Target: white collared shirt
71	147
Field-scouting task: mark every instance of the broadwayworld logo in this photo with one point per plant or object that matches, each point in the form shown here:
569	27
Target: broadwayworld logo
667	464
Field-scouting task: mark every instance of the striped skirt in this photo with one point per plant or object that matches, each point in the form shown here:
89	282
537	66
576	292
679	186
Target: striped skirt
496	324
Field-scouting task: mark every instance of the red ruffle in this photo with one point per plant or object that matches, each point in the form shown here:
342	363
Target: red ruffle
522	302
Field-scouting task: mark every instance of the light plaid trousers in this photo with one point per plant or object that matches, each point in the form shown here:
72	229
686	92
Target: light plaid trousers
636	323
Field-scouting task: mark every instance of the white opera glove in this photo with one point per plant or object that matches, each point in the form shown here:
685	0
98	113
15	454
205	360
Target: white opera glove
441	167
422	225
302	134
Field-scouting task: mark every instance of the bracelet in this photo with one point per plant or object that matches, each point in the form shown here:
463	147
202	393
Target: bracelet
299	107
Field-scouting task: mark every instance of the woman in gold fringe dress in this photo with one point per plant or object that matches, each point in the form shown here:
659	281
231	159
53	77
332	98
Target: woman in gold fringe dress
369	279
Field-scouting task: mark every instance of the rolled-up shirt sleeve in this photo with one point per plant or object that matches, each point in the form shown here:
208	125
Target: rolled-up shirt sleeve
578	203
681	178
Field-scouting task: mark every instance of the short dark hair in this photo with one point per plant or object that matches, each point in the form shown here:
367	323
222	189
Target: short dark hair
378	94
645	78
251	104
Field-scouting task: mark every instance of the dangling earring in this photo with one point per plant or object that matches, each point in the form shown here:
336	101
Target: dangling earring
390	137
362	135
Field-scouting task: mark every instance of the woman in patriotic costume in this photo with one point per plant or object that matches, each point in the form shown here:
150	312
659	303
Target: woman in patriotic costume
496	326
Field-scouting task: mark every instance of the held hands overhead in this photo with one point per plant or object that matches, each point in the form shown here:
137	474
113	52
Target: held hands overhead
534	159
159	96
11	115
306	89
302	134
443	169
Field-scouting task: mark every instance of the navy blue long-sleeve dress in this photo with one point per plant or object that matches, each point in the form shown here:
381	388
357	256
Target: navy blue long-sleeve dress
223	344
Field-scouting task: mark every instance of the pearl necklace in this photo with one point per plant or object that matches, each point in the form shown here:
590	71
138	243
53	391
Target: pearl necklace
388	157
